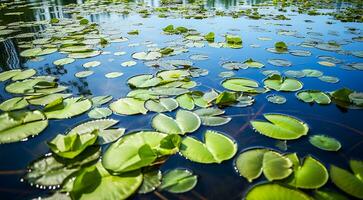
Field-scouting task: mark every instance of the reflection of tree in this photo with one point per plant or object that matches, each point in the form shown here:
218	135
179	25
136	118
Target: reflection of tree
9	56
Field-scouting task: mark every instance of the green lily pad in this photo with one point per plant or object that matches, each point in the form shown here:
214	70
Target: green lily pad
113	74
325	194
128	106
279	83
281	127
252	163
83	74
325	142
215	149
351	183
310	96
178	181
44	100
68	108
98	113
312	174
210	116
161	105
274	191
106	134
100	100
185	101
184	122
312	73
136	150
242	85
91	64
52	170
280	62
277	99
151	180
143	81
152	55
15	103
17	126
71	145
329	79
95	182
64	61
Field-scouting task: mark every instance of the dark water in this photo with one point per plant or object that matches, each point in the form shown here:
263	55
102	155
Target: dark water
216	181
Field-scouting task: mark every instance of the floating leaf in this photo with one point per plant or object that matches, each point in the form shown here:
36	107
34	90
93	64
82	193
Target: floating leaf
277	99
151	180
69	107
310	175
128	63
348	182
215	149
53	170
64	61
280	62
113	74
91	64
178	181
15	103
252	163
312	73
143	81
44	100
98	113
185	122
161	105
274	191
135	151
128	106
17	126
95	182
100	100
209	116
279	83
71	145
106	134
310	96
83	74
281	127
242	85
325	142
185	101
329	79
152	55
326	194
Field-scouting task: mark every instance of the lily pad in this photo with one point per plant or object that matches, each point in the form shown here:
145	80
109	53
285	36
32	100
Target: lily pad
98	113
274	191
242	85
310	96
277	99
280	62
211	116
178	181
215	149
152	55
64	61
252	163
17	126
350	183
279	83
113	74
151	180
67	108
95	182
281	127
325	142
161	105
137	150
83	74
184	122
128	106
15	103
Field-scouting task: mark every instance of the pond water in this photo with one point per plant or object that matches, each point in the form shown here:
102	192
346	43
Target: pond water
331	44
